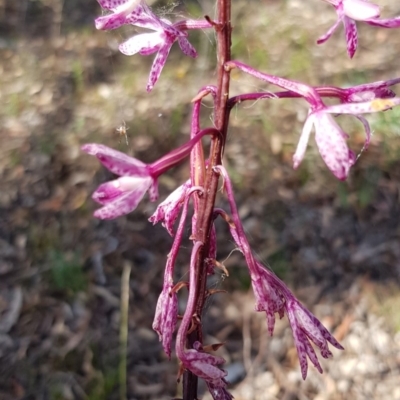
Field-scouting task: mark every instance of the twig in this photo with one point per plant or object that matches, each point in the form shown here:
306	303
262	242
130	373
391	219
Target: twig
123	331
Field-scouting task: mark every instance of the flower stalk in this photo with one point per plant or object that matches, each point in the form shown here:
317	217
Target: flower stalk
122	195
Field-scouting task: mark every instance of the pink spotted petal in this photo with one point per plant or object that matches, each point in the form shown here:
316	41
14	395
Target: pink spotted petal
300	343
187	48
307	323
111	190
385	23
112	4
204	365
153	190
158	65
329	33
331	142
350	30
117	162
372	106
166	317
219	392
302	145
145	44
268	299
303	346
367	129
121	10
122	204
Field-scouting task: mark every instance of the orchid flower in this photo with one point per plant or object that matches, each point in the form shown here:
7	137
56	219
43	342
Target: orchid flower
350	11
136	12
161	42
121	196
330	138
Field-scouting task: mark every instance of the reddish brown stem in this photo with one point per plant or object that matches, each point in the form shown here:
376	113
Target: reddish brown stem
206	202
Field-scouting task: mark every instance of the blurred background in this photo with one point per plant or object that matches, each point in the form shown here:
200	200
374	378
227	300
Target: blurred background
336	244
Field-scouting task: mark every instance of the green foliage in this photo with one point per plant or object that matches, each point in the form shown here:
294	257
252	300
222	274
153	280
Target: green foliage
67	272
78	76
42	241
367	189
103	385
279	261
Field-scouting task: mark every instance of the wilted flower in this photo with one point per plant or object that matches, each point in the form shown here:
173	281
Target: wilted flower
167	305
166	316
204	365
219	392
272	295
167	212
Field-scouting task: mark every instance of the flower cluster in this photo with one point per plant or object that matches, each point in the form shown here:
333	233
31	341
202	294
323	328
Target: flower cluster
122	195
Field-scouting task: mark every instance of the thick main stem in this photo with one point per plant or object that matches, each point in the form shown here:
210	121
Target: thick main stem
206	202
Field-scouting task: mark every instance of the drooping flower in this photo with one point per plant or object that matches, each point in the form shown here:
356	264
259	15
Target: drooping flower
273	297
219	392
166	315
204	365
167	305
